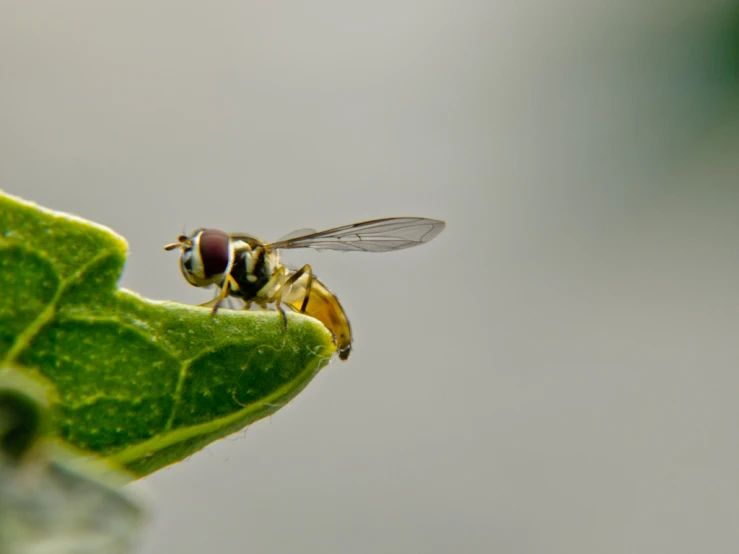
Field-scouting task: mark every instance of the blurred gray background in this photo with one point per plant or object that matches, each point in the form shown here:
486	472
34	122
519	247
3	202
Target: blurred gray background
557	372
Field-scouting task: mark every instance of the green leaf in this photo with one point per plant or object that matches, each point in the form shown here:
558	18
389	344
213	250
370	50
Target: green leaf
143	383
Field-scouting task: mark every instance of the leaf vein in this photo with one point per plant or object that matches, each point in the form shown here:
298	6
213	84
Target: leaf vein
47	315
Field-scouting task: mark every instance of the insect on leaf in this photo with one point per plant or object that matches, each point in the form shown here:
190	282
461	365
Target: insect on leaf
143	383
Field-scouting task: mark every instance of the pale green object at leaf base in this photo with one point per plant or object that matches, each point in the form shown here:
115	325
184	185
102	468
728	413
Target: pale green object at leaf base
142	383
54	499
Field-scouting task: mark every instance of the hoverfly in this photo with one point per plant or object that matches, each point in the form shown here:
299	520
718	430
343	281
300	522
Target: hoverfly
245	267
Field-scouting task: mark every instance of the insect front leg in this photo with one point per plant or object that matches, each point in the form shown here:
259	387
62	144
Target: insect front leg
213	301
227	284
210	303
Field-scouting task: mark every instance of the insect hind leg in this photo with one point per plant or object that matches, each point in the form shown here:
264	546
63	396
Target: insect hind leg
294	278
286	286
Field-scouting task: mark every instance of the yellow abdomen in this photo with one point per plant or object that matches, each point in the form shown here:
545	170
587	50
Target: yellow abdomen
325	307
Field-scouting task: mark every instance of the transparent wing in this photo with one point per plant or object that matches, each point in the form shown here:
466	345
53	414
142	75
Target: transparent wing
296	234
378	235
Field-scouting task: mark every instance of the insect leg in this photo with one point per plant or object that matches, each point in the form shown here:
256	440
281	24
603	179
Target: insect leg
282	311
227	283
279	273
289	282
297	275
308	288
210	303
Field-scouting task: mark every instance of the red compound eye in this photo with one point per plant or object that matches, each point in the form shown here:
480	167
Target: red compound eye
215	251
